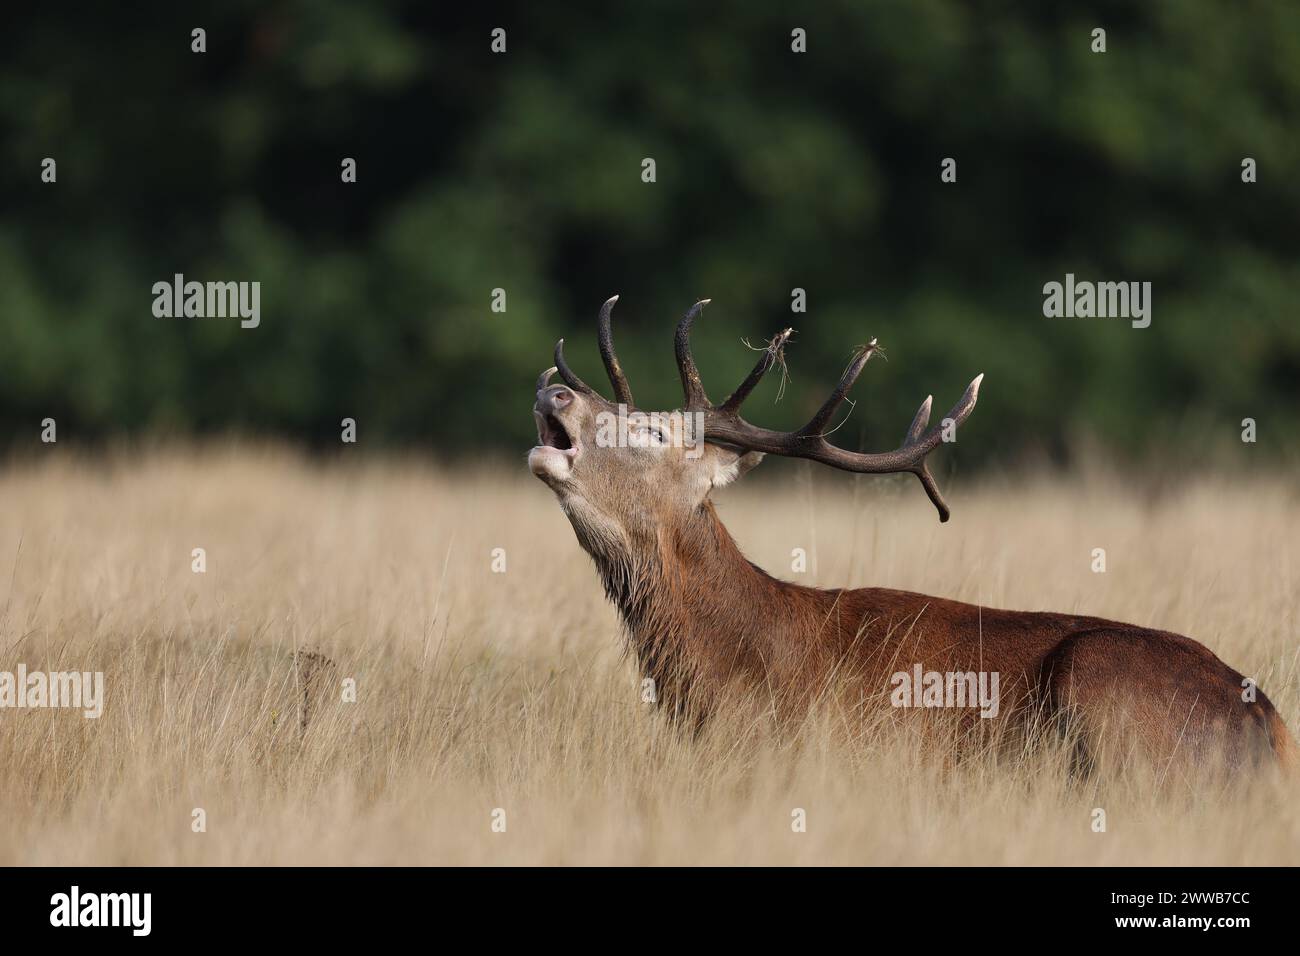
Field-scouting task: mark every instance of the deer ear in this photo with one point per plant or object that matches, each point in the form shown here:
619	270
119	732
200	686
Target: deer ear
728	465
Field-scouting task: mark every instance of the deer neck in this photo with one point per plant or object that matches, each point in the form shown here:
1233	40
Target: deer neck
684	589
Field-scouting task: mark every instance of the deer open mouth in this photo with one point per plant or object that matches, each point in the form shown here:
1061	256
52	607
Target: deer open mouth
555	447
551	433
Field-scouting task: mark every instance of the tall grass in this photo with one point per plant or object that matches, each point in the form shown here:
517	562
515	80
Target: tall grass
479	691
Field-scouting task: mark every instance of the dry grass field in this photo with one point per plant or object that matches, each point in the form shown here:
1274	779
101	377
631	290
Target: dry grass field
478	691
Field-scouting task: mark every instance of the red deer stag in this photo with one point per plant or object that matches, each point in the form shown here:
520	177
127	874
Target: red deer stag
701	618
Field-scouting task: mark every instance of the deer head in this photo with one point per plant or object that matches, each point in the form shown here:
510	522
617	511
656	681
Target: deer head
620	472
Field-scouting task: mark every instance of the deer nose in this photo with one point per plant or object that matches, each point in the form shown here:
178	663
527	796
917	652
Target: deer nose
554	398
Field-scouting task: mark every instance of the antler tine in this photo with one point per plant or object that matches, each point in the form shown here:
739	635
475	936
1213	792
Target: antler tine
817	424
605	338
566	373
919	422
957	414
932	490
771	355
544	379
696	398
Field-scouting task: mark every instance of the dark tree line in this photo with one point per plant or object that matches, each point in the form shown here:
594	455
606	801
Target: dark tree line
773	171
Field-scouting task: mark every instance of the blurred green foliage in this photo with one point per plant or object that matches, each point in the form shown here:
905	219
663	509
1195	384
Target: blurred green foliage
775	170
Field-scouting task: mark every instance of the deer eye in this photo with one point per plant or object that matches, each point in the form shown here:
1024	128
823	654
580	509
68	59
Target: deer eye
649	436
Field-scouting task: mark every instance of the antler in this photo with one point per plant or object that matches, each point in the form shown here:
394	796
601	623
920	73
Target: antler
722	423
605	338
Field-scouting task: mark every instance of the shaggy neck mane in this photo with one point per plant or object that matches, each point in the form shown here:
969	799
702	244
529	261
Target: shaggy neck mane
695	608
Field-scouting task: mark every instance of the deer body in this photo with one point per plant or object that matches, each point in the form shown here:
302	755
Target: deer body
705	623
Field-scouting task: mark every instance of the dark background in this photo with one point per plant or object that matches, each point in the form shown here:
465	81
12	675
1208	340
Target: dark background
775	170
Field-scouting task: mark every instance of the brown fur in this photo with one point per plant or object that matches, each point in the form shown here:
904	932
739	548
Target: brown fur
701	618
